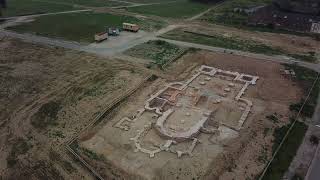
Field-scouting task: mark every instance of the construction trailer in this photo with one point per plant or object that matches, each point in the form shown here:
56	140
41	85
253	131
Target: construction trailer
99	37
130	27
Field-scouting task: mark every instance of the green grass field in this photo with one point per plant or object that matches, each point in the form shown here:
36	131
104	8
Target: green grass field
180	9
79	27
26	7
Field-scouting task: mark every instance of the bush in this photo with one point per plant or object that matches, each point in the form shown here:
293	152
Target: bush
46	115
314	140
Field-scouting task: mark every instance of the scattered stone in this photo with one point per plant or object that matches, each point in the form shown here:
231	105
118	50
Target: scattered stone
231	84
207	79
227	89
202	83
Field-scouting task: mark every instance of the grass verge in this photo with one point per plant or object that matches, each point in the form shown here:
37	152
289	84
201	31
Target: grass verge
285	155
306	77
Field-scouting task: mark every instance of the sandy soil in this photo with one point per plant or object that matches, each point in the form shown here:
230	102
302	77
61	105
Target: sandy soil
47	96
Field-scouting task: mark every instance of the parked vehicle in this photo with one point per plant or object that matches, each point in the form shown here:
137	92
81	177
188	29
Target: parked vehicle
113	31
99	37
130	27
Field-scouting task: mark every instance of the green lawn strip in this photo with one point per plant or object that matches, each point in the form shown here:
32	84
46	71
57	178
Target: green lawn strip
180	9
306	77
234	43
27	7
160	52
288	150
79	27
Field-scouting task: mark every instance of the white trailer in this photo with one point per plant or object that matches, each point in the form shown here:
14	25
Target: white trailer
130	27
99	37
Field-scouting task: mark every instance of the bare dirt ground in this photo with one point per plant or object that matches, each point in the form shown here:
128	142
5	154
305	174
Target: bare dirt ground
290	43
244	157
241	158
48	95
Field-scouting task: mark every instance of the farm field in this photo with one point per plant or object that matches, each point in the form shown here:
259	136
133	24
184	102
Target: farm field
80	27
27	7
159	52
179	9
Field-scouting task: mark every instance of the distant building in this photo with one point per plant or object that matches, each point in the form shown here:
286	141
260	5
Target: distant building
277	18
315	28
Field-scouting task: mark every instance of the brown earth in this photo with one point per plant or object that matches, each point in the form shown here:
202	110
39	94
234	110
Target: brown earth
246	156
47	95
290	43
